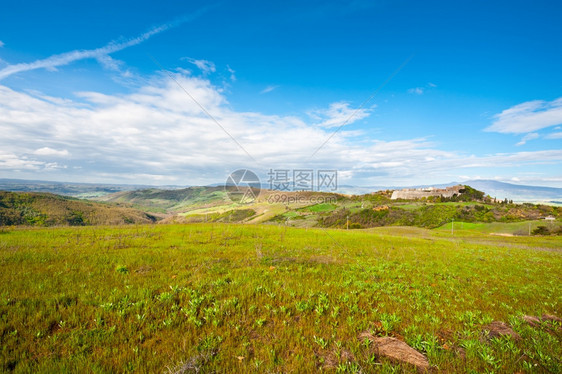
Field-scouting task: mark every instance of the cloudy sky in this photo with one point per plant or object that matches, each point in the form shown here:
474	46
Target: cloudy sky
386	92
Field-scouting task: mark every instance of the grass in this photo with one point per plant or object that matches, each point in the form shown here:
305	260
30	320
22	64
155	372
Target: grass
263	298
320	208
513	228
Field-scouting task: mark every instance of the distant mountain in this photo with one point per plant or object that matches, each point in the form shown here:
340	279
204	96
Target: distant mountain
80	190
517	193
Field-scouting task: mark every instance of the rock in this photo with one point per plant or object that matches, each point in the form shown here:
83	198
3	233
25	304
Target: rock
498	329
550	318
532	320
397	351
535	321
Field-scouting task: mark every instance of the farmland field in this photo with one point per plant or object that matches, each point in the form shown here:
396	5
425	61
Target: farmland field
264	298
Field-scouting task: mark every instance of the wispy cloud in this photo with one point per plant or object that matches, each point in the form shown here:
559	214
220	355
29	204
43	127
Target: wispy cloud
528	117
421	90
232	73
1	43
526	138
339	113
554	135
46	151
205	66
268	89
99	54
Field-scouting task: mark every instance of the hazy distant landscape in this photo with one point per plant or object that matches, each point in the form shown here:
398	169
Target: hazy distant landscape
499	190
281	187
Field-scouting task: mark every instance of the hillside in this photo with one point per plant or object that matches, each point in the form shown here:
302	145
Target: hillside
379	209
169	201
432	215
298	209
44	209
321	209
500	190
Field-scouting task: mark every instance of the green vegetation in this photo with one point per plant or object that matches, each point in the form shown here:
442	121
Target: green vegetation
174	201
320	208
264	298
44	209
297	209
432	215
523	228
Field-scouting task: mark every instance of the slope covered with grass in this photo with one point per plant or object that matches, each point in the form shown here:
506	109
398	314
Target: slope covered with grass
44	209
162	201
245	298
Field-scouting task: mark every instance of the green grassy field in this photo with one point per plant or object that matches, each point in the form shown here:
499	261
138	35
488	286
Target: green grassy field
511	228
263	298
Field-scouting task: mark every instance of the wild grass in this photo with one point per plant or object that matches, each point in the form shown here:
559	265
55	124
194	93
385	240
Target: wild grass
251	298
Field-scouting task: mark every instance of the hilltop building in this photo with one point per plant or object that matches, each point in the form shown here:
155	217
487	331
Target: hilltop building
418	193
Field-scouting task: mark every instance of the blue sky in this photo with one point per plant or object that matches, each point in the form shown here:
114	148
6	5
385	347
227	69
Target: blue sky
96	92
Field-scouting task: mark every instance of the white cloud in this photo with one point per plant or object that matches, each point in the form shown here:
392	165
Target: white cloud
9	161
232	73
1	43
205	66
100	54
526	138
554	135
528	117
109	63
46	151
157	133
268	89
421	90
339	114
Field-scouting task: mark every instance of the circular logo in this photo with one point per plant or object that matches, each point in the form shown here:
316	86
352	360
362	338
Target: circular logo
242	186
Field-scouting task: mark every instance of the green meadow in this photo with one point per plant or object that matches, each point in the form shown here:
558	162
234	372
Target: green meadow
266	298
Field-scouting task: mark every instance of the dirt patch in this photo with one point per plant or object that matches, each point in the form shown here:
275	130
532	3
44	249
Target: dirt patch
143	269
550	318
532	320
535	321
397	351
498	329
332	360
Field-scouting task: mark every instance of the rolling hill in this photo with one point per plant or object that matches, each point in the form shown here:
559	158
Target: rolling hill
44	209
169	201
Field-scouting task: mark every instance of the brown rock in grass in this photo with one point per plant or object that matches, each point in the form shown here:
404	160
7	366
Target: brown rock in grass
550	318
397	351
498	329
532	320
535	321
